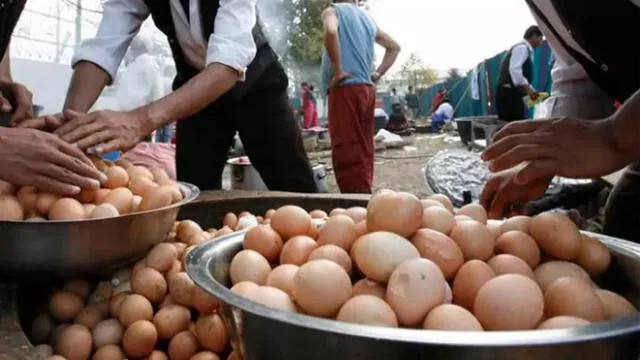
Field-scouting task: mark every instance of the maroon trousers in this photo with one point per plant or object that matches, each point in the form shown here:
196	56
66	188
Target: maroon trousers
352	126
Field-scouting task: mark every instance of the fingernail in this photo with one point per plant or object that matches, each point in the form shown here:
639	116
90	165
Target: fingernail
75	190
491	166
96	183
103	179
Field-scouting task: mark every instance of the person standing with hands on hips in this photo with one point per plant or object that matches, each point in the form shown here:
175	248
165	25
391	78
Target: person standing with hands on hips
349	38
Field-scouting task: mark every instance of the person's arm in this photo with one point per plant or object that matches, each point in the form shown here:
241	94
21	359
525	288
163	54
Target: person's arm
331	39
627	128
392	49
5	68
97	60
519	56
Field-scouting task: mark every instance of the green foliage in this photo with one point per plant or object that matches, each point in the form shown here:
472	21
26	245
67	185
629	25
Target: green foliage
306	43
454	75
417	73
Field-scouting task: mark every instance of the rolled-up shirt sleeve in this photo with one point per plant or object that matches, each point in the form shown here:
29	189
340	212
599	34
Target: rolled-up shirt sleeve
232	43
519	55
121	21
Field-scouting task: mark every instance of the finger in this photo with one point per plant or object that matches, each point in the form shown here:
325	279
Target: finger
488	192
520	127
83	131
501	202
50	184
93	139
75	160
24	109
74	120
5	105
519	154
38	123
54	121
113	145
535	170
502	146
68	176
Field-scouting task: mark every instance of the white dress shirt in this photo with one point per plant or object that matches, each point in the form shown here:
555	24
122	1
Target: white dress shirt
232	43
445	110
519	55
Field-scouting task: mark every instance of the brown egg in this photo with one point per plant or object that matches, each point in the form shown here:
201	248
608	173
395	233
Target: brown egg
116	177
109	352
121	198
562	322
171	320
439	219
296	251
474	211
87	196
81	288
516	223
125	164
159	174
440	249
139	339
139	171
141	185
339	230
88	317
10	208
333	253
451	317
45	202
415	287
88	209
368	287
181	289
249	265
55	334
115	303
205	355
556	235
264	240
157	355
460	218
367	310
315	214
468	281
573	297
378	254
230	220
427	203
211	333
74	343
519	244
135	307
161	257
223	232
41	328
442	199
357	214
615	306
282	278
203	302
311	283
243	288
65	306
273	298
509	302
509	264
156	199
107	332
494	226
104	211
66	209
361	229
399	213
593	256
290	221
28	197
337	211
551	271
100	195
7	188
149	283
474	239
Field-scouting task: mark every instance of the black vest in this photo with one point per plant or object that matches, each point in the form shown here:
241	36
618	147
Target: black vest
505	75
10	11
608	32
260	73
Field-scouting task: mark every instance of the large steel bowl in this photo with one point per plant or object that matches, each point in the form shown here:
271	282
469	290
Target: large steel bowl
92	246
261	333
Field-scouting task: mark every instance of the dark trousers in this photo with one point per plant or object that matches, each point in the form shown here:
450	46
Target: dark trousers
269	133
621	215
509	104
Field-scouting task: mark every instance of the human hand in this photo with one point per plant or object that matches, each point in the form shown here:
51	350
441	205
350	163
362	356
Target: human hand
40	159
48	123
375	77
564	147
503	197
337	79
16	98
112	130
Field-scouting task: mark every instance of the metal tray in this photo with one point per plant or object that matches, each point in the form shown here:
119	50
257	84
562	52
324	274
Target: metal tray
261	333
93	246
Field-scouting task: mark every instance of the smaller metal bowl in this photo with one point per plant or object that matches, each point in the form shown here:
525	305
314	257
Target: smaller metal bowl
96	246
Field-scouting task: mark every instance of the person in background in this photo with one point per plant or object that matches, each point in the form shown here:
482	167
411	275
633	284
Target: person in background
165	133
437	100
442	115
586	137
33	157
349	38
309	110
413	103
514	81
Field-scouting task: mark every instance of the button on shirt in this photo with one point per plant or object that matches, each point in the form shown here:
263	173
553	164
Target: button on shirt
232	43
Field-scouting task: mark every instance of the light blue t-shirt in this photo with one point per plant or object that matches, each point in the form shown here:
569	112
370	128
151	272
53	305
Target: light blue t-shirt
357	34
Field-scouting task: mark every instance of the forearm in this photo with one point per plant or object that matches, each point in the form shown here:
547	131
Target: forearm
390	56
332	44
199	92
87	83
5	68
626	127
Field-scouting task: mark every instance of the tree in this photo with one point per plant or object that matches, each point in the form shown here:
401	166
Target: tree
453	75
417	73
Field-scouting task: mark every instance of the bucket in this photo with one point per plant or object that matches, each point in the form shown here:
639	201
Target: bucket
320	176
244	176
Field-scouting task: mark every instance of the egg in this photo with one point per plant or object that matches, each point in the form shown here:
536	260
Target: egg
10	208
81	288
100	195
187	229
75	343
88	209
123	163
223	232
517	223
161	257
573	297
509	264
339	230
103	211
65	306
181	288
379	253
468	281
55	334
593	256
107	332
7	188
171	320
562	322
440	249
272	297
88	317
290	221
264	240
368	287
367	310
139	171
157	355
439	219
204	302
121	198
87	196
415	287
150	283
296	251
41	328
282	277
156	199
134	307
442	199
427	203
115	303
116	177
140	186
321	287
140	339
452	318
615	306
509	302
159	174
474	239
494	227
66	209
28	197
474	211
45	202
333	253
551	271
249	265
556	235
519	244
109	352
211	333
399	213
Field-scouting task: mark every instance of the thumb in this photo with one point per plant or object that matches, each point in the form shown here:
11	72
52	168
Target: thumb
5	105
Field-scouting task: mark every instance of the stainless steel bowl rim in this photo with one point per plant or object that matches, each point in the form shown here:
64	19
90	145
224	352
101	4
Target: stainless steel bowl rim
608	329
189	191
